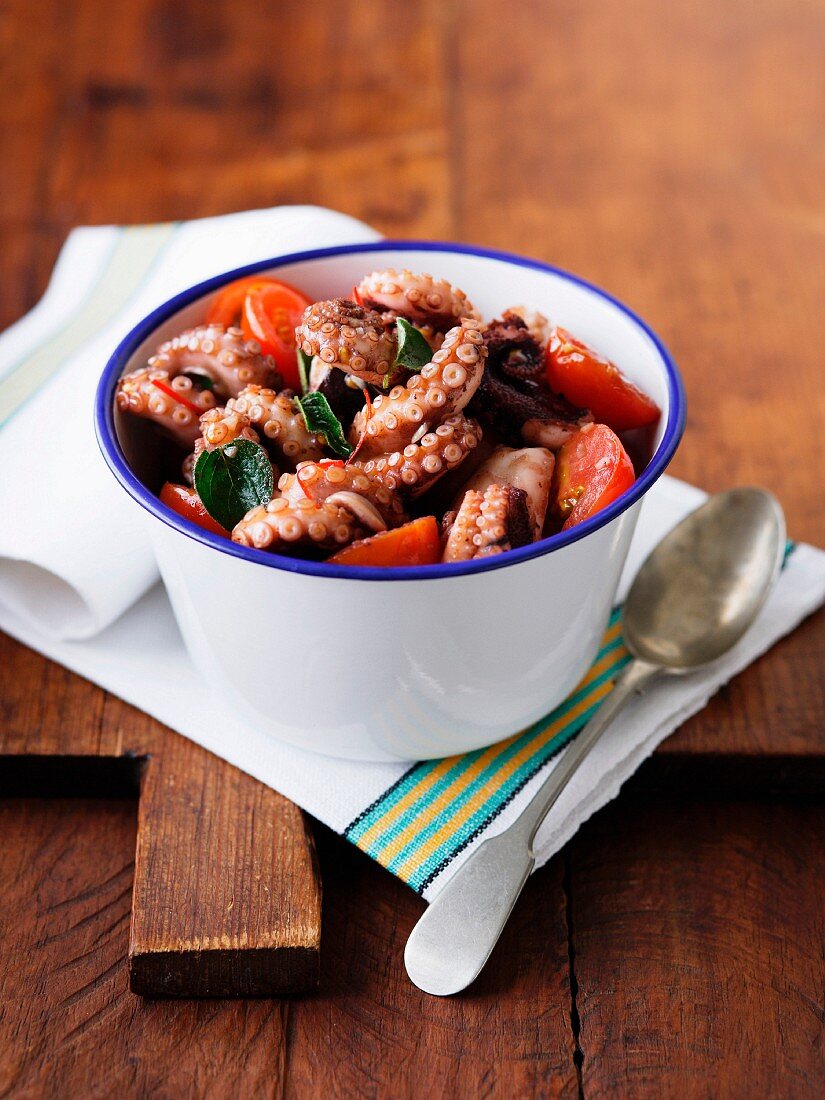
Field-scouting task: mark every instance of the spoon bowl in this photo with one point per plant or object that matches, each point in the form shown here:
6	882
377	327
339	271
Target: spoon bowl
703	585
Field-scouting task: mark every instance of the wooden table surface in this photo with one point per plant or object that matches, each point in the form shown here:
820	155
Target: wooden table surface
672	153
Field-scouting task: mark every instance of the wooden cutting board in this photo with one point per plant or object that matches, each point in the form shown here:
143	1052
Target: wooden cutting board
227	895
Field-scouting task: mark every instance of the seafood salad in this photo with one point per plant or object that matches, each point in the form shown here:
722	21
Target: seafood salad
393	426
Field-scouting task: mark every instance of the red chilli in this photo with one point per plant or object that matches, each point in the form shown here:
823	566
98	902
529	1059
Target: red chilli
177	397
357	447
300	481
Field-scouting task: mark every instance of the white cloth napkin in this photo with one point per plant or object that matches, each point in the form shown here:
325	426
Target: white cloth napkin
78	581
73	550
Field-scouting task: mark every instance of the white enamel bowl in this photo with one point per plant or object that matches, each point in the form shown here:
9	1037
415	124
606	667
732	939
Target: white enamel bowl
378	664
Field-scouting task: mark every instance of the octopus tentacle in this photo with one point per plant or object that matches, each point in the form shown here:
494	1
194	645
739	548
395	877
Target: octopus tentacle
529	468
222	354
538	325
167	389
514	397
488	523
279	421
175	404
414	469
322	481
346	335
221	426
443	388
419	298
286	525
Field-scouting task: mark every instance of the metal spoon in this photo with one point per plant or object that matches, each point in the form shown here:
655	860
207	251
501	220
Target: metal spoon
691	601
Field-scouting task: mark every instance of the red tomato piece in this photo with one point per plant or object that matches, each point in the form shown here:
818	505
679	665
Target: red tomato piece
227	305
416	543
592	470
187	503
592	382
270	314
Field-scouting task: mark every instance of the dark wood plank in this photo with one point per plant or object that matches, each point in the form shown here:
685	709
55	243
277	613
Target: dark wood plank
227	898
698	932
68	1024
371	1033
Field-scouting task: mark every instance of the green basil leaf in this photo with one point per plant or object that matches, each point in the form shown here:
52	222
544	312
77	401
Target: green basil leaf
413	350
202	381
319	417
232	479
304	367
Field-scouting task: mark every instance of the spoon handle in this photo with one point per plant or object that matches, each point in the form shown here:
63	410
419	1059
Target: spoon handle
453	939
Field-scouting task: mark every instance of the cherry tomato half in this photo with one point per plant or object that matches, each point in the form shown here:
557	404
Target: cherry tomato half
416	543
589	380
592	470
227	305
270	314
187	503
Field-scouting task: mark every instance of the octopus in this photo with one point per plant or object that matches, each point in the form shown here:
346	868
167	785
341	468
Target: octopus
322	506
529	469
350	336
174	404
365	495
285	434
421	299
285	525
280	422
187	375
488	523
538	325
514	398
413	470
443	388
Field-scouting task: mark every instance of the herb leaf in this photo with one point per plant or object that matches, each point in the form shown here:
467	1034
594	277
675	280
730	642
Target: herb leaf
232	479
413	350
319	417
202	381
304	367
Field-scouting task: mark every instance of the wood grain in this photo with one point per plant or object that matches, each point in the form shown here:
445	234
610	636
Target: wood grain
372	1033
68	1024
226	898
698	935
672	153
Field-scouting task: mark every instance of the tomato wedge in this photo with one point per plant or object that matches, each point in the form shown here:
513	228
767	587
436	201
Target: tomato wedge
592	470
187	503
592	382
416	543
270	314
227	305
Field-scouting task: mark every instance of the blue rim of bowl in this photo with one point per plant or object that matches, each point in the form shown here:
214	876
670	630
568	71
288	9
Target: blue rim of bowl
115	459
